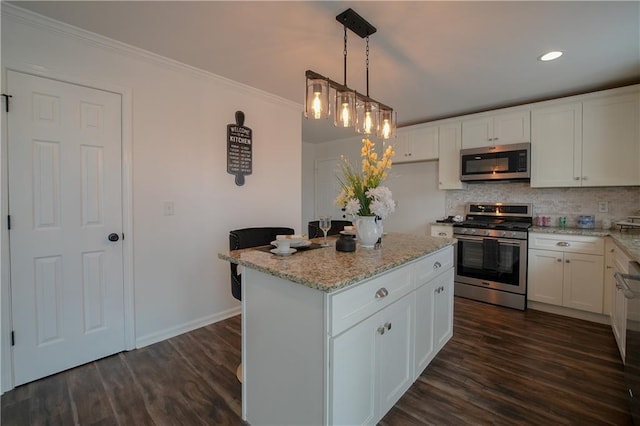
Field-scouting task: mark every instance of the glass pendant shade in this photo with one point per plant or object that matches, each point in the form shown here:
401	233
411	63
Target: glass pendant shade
387	128
345	109
317	99
367	117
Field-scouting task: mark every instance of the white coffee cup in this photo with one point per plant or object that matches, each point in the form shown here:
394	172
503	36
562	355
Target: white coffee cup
283	245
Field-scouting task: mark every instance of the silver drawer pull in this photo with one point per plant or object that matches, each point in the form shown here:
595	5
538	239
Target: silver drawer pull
381	330
437	265
388	326
383	292
442	234
563	244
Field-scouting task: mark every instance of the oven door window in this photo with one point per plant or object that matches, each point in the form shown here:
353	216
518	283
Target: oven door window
489	259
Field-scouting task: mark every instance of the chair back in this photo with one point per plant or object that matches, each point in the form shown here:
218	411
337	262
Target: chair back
246	238
336	227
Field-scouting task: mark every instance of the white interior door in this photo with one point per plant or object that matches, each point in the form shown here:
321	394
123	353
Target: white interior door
67	285
327	189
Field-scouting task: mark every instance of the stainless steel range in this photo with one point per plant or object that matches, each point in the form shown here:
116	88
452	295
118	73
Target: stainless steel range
491	257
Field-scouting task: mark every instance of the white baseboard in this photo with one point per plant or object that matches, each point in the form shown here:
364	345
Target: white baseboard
569	312
168	333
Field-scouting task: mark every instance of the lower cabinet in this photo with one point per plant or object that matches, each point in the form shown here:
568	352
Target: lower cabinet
433	319
373	364
566	271
619	263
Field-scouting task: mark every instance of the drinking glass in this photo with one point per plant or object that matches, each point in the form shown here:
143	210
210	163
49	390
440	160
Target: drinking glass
325	225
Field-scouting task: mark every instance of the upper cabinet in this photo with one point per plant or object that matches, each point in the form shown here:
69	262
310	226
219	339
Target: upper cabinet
416	143
595	142
498	129
450	142
610	142
556	145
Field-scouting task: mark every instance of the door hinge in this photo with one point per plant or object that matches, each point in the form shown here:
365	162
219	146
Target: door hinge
9	221
6	100
13	338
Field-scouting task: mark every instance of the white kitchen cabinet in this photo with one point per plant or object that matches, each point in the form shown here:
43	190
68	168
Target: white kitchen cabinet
449	145
416	143
556	145
373	364
434	318
594	142
611	140
618	262
499	129
566	270
440	230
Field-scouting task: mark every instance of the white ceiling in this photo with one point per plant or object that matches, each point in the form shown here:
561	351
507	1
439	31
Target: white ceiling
428	60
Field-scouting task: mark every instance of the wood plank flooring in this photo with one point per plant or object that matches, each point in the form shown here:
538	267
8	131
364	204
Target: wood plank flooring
502	367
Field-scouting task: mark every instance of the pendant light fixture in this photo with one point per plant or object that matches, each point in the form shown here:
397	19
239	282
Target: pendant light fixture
350	108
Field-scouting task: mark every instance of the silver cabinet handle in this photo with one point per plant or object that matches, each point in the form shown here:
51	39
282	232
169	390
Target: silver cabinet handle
563	244
584	178
387	326
442	234
559	260
381	293
576	178
567	261
437	265
381	330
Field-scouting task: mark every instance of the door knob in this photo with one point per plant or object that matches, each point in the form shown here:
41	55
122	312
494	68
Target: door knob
113	237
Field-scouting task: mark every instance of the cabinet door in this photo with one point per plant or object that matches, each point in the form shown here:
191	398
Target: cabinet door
583	284
514	127
424	327
423	144
401	146
443	310
619	320
352	372
477	132
394	348
556	146
545	276
449	145
611	141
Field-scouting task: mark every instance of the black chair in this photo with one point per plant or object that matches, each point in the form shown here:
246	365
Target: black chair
246	238
336	227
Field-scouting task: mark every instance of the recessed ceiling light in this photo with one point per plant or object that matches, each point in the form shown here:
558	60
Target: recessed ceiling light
550	56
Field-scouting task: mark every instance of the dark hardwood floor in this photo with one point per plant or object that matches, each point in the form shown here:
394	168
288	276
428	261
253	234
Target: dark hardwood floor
502	367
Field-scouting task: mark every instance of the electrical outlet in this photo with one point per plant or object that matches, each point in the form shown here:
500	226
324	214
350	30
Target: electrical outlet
603	207
168	208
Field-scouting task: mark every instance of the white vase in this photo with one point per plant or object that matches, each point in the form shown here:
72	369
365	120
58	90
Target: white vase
368	230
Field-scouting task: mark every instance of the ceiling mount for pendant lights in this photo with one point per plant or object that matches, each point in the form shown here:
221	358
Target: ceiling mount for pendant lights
350	108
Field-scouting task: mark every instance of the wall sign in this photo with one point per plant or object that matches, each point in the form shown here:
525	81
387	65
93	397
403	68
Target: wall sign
239	149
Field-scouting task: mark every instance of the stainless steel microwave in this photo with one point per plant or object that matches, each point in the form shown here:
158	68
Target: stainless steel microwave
492	163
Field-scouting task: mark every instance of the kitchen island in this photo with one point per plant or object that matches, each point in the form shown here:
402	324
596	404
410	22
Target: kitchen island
337	338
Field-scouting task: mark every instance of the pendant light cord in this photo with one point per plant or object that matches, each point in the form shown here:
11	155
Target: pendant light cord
344	52
367	65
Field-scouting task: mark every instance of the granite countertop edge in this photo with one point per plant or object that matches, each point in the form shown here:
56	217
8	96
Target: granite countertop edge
357	266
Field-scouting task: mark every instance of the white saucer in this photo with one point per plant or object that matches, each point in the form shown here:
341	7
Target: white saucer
287	253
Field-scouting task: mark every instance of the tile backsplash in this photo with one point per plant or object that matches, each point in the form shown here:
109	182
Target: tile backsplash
553	202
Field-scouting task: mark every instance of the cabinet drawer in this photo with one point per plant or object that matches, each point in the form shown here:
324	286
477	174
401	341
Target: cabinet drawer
357	303
442	231
567	243
433	265
621	261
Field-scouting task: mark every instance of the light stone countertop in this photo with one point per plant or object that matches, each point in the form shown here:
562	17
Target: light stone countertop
628	240
328	270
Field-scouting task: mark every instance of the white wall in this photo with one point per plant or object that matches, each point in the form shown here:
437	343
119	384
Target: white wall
414	186
178	119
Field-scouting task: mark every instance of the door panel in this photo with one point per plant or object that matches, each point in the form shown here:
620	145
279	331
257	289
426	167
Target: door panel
67	285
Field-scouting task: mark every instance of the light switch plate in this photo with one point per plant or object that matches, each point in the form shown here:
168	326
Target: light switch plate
603	207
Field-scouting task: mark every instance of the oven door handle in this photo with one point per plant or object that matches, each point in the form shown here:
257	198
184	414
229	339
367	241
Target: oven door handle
515	243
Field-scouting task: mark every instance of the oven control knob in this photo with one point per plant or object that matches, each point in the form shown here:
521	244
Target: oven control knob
472	231
503	234
487	232
513	233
